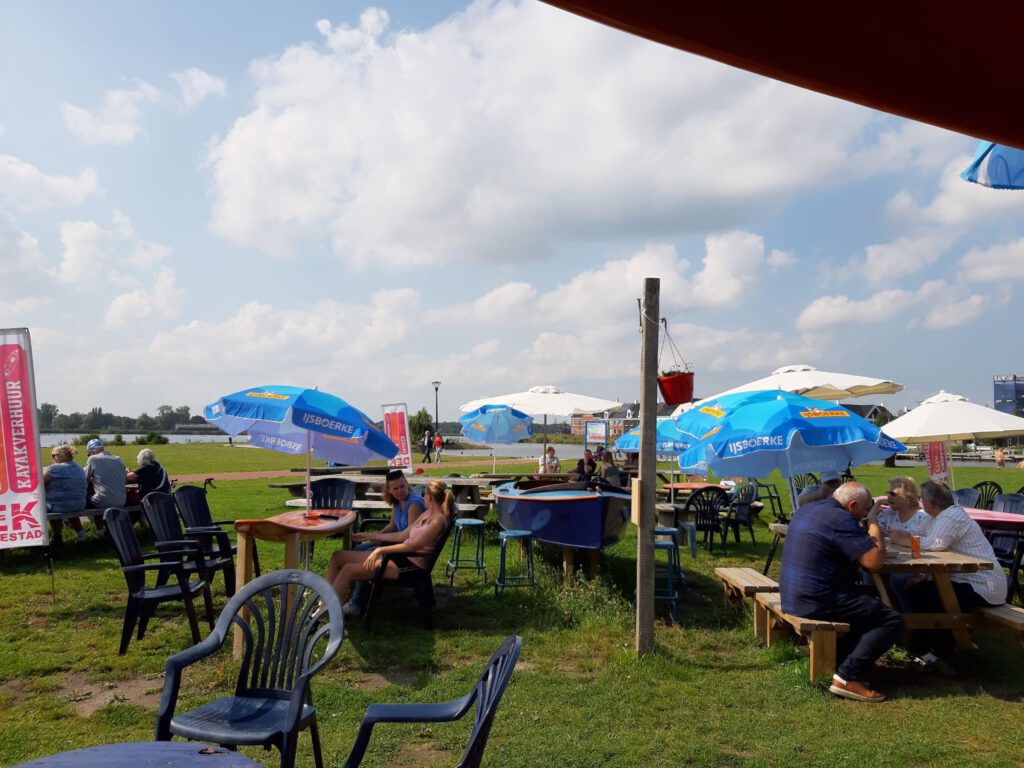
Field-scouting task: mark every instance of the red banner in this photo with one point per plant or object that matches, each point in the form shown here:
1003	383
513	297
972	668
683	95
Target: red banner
22	503
396	427
938	461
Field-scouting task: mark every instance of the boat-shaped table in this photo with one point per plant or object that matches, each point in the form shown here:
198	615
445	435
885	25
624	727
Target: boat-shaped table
585	516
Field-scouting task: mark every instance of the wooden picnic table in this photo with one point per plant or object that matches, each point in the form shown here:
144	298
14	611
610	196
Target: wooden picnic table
939	566
293	529
687	488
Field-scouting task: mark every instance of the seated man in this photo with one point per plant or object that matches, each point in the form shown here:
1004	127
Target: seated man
549	462
825	545
406	506
953	531
585	467
105	475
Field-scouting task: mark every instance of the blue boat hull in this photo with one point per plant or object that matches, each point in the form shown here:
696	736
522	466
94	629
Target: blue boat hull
565	516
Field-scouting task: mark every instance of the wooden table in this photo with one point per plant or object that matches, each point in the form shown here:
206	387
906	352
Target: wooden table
938	565
689	488
465	489
293	529
146	754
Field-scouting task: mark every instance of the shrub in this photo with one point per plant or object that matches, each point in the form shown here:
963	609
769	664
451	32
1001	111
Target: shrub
151	438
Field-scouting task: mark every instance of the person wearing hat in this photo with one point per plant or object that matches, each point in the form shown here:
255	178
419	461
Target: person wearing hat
830	481
105	476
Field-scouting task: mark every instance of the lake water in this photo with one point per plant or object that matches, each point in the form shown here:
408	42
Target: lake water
55	438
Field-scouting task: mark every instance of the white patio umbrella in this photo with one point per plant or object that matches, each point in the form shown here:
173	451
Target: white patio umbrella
810	382
945	417
546	401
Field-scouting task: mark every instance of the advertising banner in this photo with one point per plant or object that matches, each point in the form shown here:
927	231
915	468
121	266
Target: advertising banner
396	427
938	461
596	431
22	501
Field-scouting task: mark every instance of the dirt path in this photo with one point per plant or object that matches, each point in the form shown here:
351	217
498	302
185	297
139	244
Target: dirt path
269	473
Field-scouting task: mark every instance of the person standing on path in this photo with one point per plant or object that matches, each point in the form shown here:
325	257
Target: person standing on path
1000	457
438	446
427	444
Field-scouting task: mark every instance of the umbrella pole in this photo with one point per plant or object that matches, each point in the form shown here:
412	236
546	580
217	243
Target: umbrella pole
544	453
494	458
949	466
309	471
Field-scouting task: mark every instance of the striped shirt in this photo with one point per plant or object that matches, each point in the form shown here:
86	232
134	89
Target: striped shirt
954	531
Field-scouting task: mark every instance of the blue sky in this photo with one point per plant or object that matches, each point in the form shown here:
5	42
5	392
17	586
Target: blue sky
200	197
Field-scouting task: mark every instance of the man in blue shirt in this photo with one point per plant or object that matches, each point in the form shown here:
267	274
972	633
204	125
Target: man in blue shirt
825	549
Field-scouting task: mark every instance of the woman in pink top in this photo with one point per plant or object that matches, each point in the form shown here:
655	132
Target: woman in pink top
349	566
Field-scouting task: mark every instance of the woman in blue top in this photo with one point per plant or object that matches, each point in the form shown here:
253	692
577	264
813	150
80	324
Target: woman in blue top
65	489
406	507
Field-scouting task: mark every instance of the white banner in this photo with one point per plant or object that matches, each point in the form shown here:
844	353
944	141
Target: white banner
396	427
22	500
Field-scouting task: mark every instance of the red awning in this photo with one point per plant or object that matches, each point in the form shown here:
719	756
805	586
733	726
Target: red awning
944	62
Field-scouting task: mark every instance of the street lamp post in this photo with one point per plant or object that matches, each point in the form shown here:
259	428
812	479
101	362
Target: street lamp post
437	424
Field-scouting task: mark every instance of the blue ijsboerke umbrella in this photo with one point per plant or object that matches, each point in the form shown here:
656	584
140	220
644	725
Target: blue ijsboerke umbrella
996	166
494	424
752	433
670	441
300	421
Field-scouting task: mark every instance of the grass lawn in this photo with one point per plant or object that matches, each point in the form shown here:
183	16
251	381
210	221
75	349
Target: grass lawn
708	696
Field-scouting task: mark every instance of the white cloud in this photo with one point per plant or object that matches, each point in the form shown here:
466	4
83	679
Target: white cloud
85	251
994	264
163	301
24	287
116	120
943	305
25	188
497	305
842	310
195	85
546	128
884	262
781	260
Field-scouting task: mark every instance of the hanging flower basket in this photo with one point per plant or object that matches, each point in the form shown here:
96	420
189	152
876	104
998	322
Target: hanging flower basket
676	388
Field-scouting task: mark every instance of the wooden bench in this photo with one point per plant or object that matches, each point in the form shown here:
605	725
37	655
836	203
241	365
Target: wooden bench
738	583
1005	615
89	513
821	635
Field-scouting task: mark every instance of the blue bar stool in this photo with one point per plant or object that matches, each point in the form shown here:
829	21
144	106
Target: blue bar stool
669	576
524	579
469	526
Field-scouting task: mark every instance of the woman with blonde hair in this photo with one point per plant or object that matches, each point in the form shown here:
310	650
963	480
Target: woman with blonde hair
349	566
65	489
902	509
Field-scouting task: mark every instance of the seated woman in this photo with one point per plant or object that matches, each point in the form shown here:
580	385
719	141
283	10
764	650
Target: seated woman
585	467
149	475
65	489
609	472
632	461
350	566
902	510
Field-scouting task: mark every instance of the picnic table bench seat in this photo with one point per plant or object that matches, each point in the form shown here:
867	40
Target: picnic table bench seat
821	635
738	583
1005	615
89	512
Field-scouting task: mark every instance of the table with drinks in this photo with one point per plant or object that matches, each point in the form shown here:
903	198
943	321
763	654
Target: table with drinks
939	566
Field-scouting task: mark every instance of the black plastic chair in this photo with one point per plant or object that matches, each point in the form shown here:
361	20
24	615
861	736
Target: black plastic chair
194	507
705	508
767	492
142	599
802	481
988	491
418	580
292	625
1020	490
966	497
332	493
740	511
162	516
486	693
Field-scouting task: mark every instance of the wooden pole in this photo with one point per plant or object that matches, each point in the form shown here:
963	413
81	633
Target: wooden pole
649	318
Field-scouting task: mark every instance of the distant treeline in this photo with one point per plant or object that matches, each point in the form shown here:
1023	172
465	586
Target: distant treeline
97	420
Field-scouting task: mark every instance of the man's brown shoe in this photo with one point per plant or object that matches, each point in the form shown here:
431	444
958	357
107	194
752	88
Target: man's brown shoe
852	689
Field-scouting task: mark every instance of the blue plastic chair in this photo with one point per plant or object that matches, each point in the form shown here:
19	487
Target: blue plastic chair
194	508
293	628
987	491
486	693
162	516
966	497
